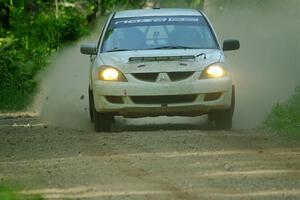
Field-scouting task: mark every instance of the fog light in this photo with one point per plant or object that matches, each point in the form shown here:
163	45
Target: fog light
212	96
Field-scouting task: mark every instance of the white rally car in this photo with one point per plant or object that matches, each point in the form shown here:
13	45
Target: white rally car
159	62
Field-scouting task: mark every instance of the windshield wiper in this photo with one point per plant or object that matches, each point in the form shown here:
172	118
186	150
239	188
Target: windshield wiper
201	54
116	49
174	47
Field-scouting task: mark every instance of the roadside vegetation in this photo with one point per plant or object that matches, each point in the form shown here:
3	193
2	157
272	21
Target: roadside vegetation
7	193
285	118
30	31
107	6
197	4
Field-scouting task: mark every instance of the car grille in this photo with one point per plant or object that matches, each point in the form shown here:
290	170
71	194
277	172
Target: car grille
169	99
179	76
152	77
149	77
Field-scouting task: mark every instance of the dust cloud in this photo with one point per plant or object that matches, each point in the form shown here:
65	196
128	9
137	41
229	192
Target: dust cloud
266	69
63	99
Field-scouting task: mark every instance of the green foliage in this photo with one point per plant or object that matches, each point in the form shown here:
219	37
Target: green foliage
285	118
16	74
110	5
7	193
197	4
72	25
25	48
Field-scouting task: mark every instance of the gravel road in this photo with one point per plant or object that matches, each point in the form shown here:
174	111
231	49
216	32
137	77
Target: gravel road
183	161
165	158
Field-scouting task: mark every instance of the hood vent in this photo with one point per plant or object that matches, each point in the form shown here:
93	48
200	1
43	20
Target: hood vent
161	58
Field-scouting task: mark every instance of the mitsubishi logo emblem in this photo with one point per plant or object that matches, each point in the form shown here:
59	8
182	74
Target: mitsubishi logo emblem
163	77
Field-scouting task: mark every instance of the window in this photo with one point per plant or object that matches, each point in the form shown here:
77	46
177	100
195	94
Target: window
158	32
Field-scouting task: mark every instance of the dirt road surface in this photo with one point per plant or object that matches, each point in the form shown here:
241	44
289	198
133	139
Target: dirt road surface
155	161
165	158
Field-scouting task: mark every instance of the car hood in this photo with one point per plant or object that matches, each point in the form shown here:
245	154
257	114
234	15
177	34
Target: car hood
160	60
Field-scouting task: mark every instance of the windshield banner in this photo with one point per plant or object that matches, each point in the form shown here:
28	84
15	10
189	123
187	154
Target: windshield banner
147	21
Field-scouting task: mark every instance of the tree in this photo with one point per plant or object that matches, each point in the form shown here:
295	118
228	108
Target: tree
5	14
107	5
56	9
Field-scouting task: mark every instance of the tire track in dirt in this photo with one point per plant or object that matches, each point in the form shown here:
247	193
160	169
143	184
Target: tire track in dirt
184	164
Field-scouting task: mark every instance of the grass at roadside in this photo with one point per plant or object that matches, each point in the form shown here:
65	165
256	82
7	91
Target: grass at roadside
285	118
7	193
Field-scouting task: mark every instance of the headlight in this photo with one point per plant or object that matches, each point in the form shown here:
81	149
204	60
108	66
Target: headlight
111	74
214	71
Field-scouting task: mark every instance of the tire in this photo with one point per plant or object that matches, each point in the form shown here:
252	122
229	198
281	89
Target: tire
91	105
102	121
223	118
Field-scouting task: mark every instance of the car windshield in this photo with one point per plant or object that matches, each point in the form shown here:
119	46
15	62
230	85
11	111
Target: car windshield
146	33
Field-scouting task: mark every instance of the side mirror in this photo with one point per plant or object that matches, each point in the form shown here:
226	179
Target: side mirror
89	49
230	45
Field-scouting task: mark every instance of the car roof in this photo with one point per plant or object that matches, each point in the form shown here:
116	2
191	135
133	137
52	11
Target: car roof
157	12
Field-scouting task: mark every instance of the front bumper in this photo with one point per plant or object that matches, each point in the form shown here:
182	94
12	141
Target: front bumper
188	98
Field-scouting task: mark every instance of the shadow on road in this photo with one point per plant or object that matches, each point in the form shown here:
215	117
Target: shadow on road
162	124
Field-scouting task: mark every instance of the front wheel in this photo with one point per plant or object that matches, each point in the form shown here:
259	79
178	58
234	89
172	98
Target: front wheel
102	121
223	118
91	105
